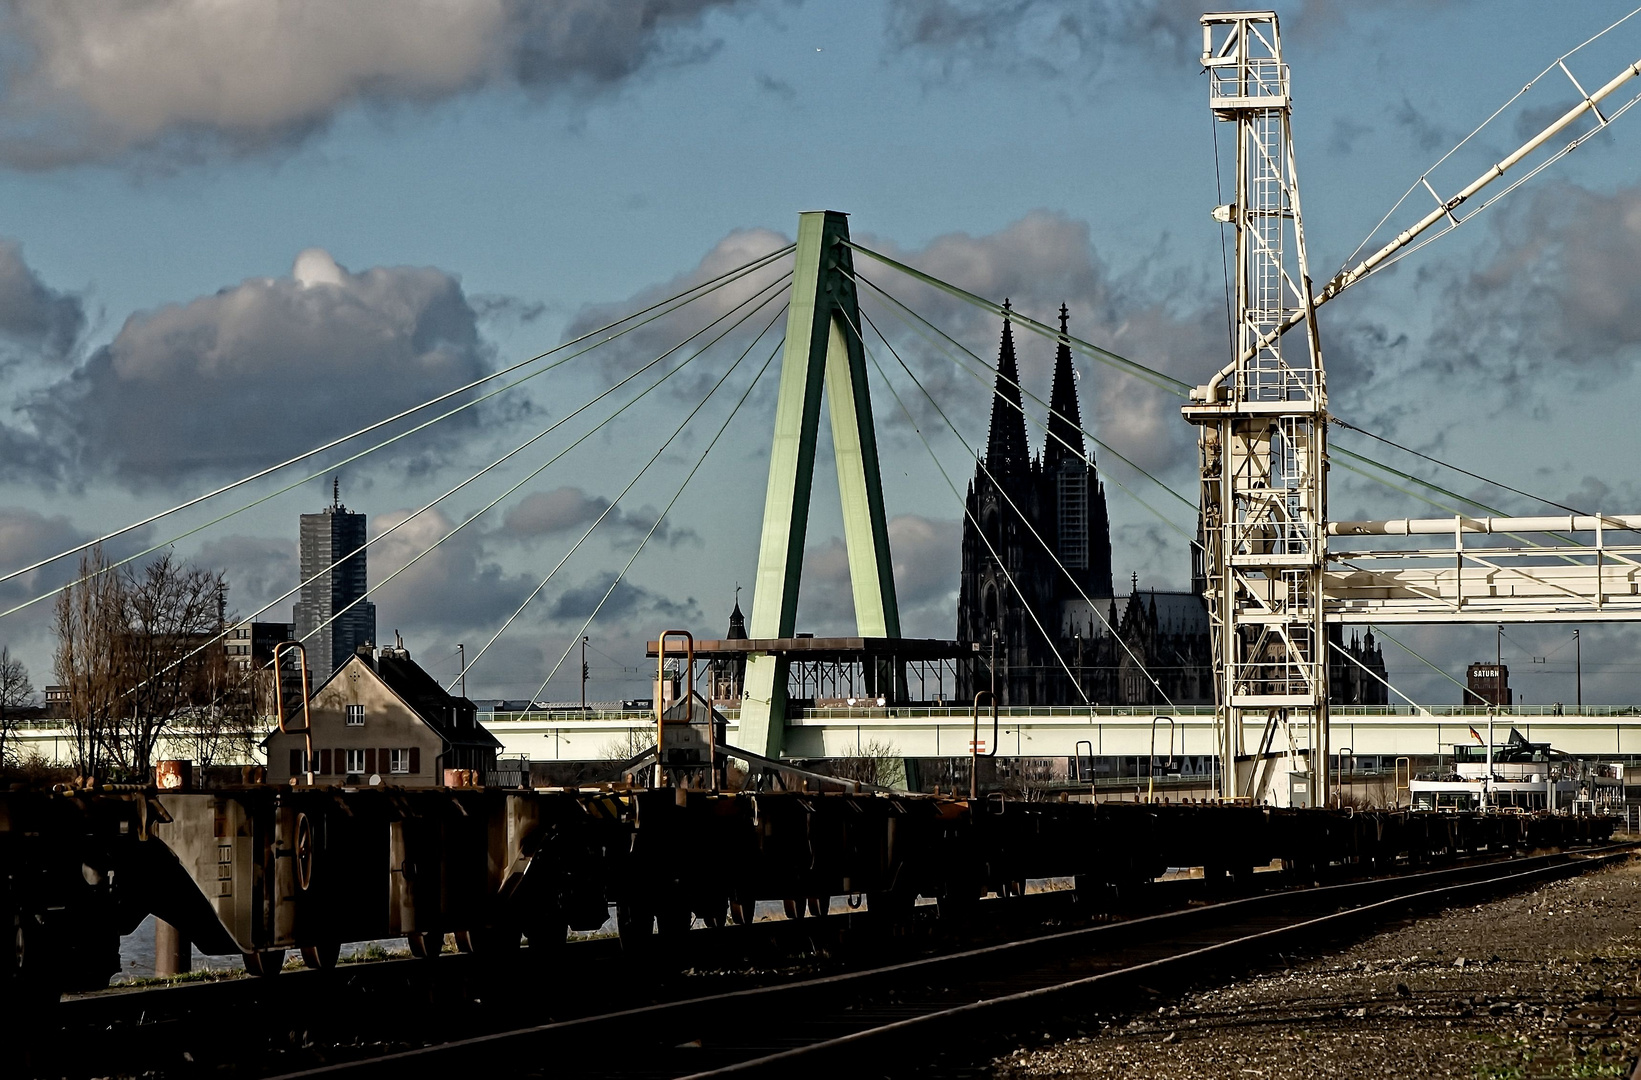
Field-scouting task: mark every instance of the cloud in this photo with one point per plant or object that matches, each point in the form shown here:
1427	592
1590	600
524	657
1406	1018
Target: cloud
645	343
1557	294
927	555
258	569
41	319
1040	261
1045	37
1055	37
546	513
229	382
769	84
1343	134
458	586
628	601
90	80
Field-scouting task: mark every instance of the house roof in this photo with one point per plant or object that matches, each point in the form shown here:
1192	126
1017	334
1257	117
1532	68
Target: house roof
421	694
427	699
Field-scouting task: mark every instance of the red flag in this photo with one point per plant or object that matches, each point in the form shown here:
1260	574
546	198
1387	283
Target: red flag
1474	734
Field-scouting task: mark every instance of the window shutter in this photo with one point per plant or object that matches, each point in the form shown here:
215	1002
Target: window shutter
370	760
324	761
385	761
296	763
415	761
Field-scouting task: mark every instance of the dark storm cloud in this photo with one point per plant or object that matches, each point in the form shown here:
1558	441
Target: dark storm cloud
544	514
91	80
258	568
1556	294
627	602
230	382
39	318
457	587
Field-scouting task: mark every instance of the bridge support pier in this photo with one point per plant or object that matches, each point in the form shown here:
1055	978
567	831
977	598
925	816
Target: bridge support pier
823	349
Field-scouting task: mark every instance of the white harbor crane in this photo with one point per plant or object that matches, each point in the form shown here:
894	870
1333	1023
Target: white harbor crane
1272	584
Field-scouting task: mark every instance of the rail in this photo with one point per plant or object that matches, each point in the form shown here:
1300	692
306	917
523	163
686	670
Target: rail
733	1033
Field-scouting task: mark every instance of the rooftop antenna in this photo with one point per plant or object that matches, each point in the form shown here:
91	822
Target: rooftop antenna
336	492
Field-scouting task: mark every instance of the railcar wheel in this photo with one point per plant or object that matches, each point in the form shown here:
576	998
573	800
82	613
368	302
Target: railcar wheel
635	927
492	941
265	963
322	957
673	921
547	934
712	915
426	944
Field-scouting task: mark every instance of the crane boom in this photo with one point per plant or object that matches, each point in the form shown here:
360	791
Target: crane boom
1348	277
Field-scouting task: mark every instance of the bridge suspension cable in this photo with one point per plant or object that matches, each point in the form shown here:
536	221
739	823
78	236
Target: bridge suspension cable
1457	468
980	532
677	300
1018	513
1423	179
762	301
901	310
542	690
1105	356
623	493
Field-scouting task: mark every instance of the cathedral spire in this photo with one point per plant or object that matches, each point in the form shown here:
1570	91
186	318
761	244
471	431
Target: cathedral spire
1065	436
1006	451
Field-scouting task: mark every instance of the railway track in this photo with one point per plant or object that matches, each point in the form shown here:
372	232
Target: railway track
906	1012
256	1024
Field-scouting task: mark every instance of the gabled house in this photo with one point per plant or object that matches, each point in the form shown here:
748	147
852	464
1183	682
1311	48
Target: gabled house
381	715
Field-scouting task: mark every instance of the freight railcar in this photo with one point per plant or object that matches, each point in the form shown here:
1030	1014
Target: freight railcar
264	871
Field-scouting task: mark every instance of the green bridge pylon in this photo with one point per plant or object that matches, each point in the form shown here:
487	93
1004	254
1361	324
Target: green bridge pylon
822	342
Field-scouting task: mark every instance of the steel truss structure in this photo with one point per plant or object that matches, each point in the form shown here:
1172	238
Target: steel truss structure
1263	423
1272	585
1482	582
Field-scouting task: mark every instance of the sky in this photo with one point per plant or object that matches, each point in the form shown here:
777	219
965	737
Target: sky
233	231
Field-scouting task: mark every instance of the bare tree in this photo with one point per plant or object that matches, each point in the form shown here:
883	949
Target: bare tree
877	763
134	650
16	692
89	621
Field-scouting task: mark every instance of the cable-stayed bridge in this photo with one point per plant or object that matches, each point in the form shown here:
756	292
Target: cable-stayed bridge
822	317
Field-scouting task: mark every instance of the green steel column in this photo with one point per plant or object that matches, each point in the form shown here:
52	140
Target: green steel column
821	349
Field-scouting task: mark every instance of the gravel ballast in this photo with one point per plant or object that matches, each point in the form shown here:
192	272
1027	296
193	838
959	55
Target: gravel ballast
1545	983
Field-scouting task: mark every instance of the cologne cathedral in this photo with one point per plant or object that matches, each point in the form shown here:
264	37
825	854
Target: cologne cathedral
1037	577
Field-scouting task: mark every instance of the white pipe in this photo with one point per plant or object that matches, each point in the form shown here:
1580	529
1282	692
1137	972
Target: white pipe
1449	525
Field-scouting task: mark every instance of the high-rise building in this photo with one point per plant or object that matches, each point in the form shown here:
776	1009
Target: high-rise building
327	537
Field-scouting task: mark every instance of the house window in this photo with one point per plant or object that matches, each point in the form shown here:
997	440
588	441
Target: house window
356	761
356	716
398	762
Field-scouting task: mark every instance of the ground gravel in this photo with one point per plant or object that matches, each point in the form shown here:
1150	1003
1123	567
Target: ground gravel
1540	984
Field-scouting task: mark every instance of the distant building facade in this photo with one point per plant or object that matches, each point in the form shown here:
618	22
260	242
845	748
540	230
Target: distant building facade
380	714
1488	684
1036	574
332	638
249	646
